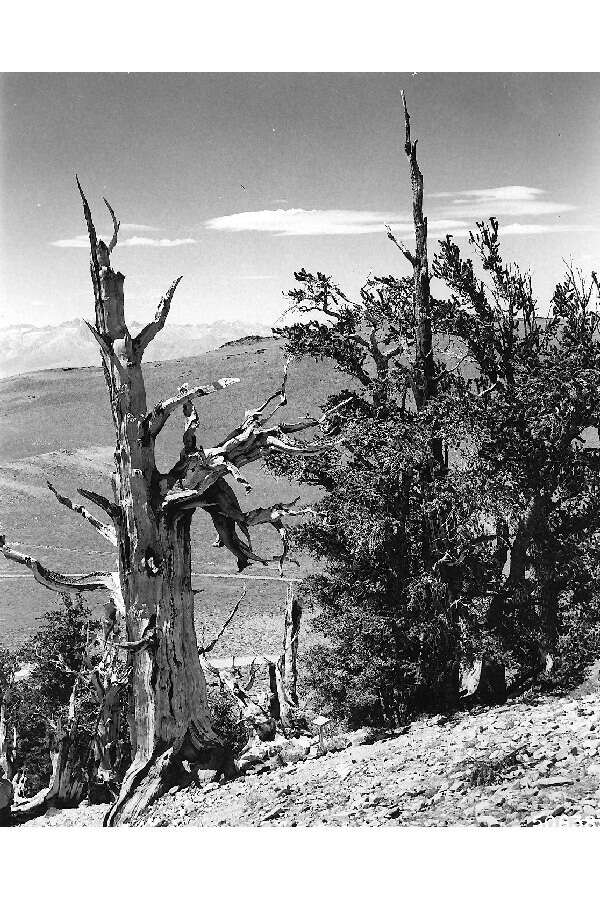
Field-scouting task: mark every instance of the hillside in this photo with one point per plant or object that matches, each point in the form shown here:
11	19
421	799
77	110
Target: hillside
56	425
533	762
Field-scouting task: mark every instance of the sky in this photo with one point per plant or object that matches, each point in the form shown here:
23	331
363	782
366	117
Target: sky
237	180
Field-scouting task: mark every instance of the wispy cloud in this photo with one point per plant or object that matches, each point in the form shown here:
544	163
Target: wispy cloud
298	222
156	242
539	228
449	212
294	222
82	241
510	200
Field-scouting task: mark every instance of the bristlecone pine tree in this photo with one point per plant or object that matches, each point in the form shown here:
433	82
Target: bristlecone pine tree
150	516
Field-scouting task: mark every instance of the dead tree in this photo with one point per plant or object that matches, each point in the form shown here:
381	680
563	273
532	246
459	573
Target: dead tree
150	516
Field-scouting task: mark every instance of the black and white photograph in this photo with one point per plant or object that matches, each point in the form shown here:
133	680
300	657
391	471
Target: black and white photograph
299	454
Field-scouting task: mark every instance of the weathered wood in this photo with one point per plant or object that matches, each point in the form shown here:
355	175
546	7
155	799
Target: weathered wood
7	747
291	640
68	754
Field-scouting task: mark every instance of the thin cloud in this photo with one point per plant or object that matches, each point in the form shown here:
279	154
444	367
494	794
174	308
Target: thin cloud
156	242
81	241
539	228
452	212
316	222
509	200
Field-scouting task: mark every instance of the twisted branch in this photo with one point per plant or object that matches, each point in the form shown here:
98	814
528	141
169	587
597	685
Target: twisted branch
57	581
157	418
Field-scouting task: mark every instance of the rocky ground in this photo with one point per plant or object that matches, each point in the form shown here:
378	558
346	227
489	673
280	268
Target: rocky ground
531	762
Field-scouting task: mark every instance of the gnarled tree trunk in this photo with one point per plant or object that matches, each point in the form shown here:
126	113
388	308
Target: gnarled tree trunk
170	711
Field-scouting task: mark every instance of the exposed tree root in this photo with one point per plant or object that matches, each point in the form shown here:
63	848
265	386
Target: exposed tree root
148	781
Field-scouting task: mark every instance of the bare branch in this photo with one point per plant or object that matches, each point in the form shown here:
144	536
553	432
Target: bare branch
281	393
407	140
161	412
213	643
274	515
310	422
107	531
56	581
111	509
275	443
116	226
88	218
401	246
149	332
488	390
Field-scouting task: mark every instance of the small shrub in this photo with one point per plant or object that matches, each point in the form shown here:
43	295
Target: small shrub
226	719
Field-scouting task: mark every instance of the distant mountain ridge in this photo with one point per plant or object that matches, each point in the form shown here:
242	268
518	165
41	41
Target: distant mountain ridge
30	348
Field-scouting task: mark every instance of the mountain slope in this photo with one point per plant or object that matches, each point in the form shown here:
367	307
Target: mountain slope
56	425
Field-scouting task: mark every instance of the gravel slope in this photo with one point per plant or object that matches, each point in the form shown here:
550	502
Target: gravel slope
526	764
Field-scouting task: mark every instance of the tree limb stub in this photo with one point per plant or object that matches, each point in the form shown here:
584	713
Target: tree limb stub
116	226
88	217
107	531
161	412
149	332
93	238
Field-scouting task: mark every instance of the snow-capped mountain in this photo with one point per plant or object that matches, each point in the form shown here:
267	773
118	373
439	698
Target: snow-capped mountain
28	348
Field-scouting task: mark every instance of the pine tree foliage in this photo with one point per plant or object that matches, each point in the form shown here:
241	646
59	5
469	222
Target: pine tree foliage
427	563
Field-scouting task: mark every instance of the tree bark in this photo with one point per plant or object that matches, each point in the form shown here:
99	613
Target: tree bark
291	639
68	754
6	750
